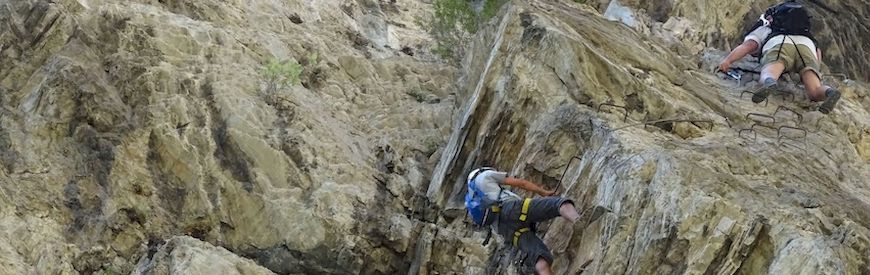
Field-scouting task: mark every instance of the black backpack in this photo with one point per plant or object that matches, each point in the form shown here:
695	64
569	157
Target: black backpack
790	18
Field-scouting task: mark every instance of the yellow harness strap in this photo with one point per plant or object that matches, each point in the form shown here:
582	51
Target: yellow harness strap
519	233
495	208
525	212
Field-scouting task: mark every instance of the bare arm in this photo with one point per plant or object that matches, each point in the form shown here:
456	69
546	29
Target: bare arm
747	47
527	185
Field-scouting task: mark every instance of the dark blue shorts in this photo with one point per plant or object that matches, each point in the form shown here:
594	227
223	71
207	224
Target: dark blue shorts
540	209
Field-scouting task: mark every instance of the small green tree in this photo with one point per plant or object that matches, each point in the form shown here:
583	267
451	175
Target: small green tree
282	74
454	20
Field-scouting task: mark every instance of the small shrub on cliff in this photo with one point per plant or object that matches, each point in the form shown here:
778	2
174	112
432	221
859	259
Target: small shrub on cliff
312	59
455	20
282	74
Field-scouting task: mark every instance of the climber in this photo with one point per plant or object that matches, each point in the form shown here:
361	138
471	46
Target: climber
488	202
784	24
750	42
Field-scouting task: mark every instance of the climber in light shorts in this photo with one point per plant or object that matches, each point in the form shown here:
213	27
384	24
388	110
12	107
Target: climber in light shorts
787	45
795	59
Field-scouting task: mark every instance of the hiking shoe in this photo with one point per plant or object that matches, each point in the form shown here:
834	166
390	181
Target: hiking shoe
832	96
769	86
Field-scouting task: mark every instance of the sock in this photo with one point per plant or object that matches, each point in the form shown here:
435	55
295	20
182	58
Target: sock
769	82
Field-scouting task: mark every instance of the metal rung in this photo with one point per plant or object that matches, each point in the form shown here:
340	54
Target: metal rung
843	76
783	108
780	93
780	133
625	110
746	92
762	125
754	134
772	118
779	140
693	121
784	94
818	126
766	100
565	171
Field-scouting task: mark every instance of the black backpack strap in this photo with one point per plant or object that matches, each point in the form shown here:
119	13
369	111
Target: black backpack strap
488	209
810	36
779	52
757	25
798	51
488	236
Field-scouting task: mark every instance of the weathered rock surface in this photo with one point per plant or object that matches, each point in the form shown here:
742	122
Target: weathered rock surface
124	123
841	26
127	124
683	197
186	255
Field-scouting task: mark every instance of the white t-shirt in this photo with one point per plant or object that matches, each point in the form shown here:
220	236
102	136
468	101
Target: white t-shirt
488	181
759	34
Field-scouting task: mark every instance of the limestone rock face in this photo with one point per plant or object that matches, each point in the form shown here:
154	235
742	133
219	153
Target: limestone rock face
145	137
840	26
124	123
186	255
681	188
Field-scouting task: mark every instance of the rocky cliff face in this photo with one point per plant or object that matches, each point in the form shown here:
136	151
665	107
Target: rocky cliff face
128	124
839	26
125	123
687	190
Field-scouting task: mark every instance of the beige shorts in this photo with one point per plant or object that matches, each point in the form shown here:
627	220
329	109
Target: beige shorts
796	59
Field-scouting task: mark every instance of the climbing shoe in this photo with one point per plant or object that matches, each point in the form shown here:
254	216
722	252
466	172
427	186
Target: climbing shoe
832	96
769	85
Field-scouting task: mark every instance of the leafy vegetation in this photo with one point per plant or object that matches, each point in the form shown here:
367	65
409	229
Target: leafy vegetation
312	59
455	20
109	270
282	74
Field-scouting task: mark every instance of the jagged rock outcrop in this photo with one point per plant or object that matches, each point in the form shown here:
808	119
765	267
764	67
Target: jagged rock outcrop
125	125
697	197
186	255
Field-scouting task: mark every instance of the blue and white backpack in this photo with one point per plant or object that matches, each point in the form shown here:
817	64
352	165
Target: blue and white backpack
478	205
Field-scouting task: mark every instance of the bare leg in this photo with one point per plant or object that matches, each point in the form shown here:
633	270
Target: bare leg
568	211
773	71
542	267
769	75
815	90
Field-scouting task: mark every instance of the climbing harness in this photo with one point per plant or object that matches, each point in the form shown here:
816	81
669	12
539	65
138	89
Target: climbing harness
519	233
524	214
